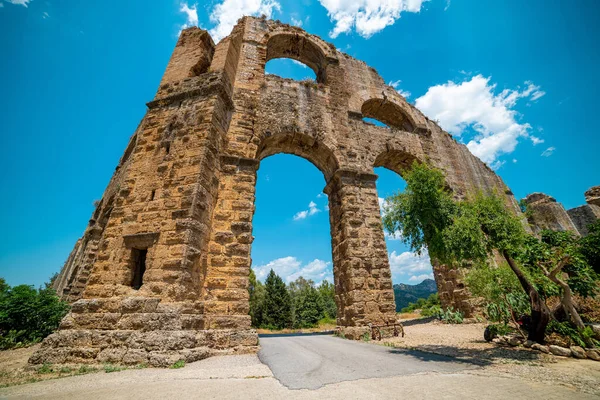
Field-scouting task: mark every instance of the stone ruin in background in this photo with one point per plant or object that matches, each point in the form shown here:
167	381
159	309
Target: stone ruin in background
161	272
546	213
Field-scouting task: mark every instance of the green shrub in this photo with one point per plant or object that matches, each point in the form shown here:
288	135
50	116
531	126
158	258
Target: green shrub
27	315
108	368
429	307
178	364
566	329
450	316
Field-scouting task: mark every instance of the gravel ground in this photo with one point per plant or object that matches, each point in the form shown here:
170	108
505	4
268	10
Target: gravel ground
466	342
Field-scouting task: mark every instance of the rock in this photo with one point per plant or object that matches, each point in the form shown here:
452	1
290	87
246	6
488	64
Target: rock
578	352
596	329
470	321
593	354
514	341
539	347
529	344
560	351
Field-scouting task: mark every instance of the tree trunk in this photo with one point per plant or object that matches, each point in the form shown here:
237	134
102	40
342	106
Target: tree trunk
567	303
540	313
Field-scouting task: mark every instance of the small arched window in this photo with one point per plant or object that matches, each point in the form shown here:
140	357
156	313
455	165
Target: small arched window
388	113
301	49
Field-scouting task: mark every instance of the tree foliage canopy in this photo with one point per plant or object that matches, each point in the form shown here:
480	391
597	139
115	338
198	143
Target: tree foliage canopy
27	315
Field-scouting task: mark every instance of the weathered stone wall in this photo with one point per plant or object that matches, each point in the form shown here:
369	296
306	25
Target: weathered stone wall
182	199
544	212
583	216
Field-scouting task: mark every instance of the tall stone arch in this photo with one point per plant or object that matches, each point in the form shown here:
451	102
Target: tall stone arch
182	198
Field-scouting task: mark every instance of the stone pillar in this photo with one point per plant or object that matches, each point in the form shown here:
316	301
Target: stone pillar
226	297
192	57
363	282
544	212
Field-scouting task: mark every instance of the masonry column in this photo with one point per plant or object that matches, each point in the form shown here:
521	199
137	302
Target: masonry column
225	294
362	275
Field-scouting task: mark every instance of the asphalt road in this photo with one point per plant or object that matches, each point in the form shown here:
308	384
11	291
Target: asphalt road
310	362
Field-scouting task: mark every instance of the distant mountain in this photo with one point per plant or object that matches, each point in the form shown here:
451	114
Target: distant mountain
405	294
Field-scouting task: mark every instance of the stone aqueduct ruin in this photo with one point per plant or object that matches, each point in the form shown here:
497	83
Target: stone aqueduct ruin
161	272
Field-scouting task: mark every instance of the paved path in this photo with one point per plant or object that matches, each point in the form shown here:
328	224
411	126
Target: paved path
317	361
309	362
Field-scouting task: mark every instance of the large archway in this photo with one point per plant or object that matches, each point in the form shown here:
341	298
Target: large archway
190	204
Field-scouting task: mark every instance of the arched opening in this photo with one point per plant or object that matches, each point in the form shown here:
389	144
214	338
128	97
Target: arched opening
291	238
388	113
300	49
412	274
290	69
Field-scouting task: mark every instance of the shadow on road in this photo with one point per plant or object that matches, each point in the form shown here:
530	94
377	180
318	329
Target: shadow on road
475	357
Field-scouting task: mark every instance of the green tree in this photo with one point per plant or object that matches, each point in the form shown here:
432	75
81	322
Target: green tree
27	315
327	293
257	298
561	269
277	309
458	232
590	246
309	309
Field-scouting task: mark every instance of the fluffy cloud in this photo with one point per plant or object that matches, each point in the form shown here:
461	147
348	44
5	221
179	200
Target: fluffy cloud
312	210
366	16
226	14
290	269
396	85
548	152
411	265
191	13
23	3
473	104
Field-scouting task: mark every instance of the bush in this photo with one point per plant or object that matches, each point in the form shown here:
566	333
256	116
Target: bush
28	315
429	307
567	330
495	330
450	316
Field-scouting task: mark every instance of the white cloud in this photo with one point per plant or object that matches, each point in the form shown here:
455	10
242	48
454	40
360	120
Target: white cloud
226	14
312	210
395	84
296	22
290	268
300	215
473	104
23	3
420	278
367	17
548	152
191	13
45	15
1	5
411	265
299	63
514	160
536	140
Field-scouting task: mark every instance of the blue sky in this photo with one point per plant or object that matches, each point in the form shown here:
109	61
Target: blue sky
515	80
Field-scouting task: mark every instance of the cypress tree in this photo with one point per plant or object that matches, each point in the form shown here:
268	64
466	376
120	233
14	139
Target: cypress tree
277	309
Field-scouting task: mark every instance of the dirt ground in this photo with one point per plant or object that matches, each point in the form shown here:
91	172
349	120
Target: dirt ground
464	342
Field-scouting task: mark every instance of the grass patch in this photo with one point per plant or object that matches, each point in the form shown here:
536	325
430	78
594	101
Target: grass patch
45	369
86	369
108	368
178	364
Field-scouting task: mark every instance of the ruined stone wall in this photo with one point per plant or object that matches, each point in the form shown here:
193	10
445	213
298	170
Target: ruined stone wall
544	212
182	200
